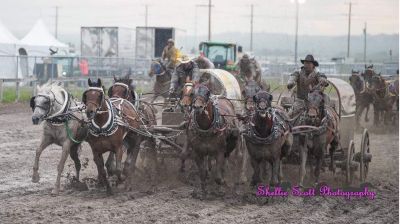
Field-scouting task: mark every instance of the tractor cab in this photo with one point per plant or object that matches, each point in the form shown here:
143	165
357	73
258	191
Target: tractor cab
223	55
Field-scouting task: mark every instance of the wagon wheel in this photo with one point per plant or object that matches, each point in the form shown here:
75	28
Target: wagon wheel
365	156
350	157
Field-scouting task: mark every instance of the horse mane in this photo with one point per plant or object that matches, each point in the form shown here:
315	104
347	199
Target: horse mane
50	86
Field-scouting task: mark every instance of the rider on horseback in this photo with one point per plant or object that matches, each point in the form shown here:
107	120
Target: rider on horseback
169	54
187	70
249	69
305	79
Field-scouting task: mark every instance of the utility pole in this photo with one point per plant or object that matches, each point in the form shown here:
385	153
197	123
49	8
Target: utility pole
348	34
56	23
365	43
209	20
251	29
146	15
297	30
209	17
145	25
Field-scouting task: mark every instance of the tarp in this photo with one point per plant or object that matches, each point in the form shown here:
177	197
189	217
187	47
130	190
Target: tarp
225	84
346	94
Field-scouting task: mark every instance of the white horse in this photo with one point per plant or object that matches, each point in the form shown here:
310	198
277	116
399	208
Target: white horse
62	126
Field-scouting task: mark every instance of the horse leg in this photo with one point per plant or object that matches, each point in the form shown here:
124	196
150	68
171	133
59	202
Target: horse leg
45	141
110	164
376	115
98	160
220	162
118	158
244	159
303	161
256	172
151	144
73	153
366	113
264	174
202	170
275	171
64	154
130	162
184	155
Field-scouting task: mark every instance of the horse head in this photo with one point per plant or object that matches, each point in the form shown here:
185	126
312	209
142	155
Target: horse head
187	95
156	67
122	88
201	98
263	102
250	89
93	98
263	118
356	82
49	101
315	105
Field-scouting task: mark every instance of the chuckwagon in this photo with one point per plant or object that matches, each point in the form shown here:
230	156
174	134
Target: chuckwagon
342	100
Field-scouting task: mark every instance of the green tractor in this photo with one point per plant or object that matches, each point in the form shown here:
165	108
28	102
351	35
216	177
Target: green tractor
223	55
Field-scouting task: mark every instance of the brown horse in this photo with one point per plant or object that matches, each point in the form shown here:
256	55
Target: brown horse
122	88
383	100
108	130
363	96
268	138
324	117
212	131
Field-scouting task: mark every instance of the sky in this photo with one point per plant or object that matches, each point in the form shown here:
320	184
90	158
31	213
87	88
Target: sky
316	17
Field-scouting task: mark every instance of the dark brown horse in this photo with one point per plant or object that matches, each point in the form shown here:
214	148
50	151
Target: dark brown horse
323	117
363	96
383	100
123	88
212	131
268	138
108	130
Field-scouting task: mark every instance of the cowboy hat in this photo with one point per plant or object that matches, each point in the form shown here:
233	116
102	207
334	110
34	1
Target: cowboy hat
184	59
310	58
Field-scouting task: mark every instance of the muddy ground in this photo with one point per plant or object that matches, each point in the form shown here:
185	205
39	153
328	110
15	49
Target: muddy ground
168	197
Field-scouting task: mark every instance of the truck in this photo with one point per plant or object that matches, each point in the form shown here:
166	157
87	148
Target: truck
108	50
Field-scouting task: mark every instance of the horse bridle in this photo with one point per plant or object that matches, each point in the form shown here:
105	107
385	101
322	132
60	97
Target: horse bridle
202	93
98	89
48	98
123	85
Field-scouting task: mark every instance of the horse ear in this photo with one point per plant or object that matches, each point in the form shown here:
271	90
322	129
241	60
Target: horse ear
32	103
115	79
89	82
109	92
99	81
255	98
84	97
270	97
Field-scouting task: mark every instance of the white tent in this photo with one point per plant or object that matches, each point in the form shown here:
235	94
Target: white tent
39	39
8	42
8	52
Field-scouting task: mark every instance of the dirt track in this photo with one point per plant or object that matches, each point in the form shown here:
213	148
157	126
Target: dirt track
168	198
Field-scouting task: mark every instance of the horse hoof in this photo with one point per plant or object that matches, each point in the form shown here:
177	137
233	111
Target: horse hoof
55	192
35	178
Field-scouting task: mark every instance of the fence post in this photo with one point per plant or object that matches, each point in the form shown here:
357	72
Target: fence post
17	91
34	83
1	90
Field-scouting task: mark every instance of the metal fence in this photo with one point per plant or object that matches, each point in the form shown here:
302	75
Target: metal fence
25	72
